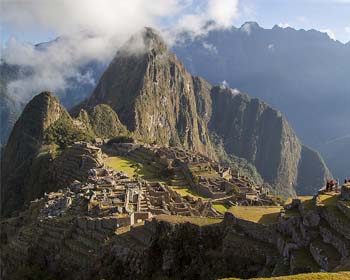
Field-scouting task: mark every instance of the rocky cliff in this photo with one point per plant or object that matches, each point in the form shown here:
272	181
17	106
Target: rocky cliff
154	95
159	101
253	130
23	147
147	93
102	121
35	145
312	172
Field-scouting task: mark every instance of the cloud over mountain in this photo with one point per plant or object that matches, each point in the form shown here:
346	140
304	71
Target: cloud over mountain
92	30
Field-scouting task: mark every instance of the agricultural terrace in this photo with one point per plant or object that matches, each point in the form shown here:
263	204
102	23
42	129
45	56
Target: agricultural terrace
199	221
257	214
132	168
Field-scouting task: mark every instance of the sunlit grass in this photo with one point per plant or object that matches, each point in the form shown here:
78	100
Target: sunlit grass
131	168
257	214
200	221
220	207
184	191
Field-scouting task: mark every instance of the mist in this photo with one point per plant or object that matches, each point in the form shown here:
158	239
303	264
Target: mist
92	30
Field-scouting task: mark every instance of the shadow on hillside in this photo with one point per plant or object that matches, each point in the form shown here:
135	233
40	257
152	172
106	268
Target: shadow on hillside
268	219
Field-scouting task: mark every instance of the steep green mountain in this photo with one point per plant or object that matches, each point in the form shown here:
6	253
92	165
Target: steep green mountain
159	101
38	151
154	95
23	148
253	130
102	121
148	94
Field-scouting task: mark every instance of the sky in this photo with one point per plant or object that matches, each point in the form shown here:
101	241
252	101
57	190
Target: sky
95	29
331	16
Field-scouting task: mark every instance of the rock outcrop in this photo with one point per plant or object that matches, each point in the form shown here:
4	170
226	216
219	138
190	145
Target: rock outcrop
154	95
74	163
101	121
150	92
253	130
41	133
312	172
23	147
159	101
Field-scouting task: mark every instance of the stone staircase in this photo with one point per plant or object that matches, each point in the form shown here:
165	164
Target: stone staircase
135	238
52	234
321	230
144	204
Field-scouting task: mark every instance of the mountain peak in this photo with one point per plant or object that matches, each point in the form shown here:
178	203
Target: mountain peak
249	25
145	41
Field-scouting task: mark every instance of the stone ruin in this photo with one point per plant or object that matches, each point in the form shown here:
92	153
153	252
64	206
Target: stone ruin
109	193
224	183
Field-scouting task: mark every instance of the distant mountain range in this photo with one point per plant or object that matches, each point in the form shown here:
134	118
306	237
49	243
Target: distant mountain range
305	74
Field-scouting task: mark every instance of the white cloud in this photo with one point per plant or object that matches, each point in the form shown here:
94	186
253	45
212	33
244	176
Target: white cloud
284	25
347	29
247	28
330	33
221	12
93	29
210	47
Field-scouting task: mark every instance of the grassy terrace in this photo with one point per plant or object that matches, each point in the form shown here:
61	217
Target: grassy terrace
131	167
220	207
257	214
202	170
308	276
183	191
330	200
307	202
148	173
199	221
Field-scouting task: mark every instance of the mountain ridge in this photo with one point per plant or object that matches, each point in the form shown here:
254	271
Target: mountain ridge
153	92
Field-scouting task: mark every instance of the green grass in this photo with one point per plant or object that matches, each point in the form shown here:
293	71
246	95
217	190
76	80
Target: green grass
122	164
257	214
132	168
308	276
330	202
184	191
220	207
199	221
